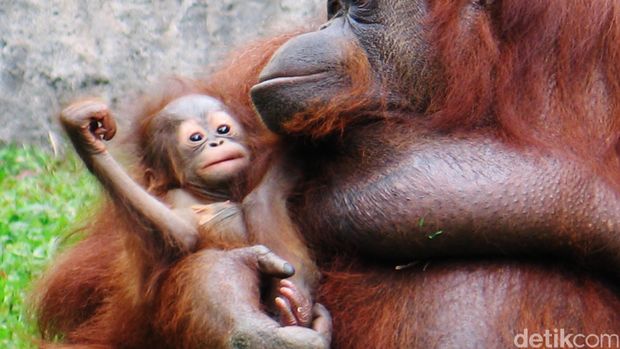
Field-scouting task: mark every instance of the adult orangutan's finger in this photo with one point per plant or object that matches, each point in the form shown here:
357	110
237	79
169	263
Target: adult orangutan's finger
322	321
271	264
296	337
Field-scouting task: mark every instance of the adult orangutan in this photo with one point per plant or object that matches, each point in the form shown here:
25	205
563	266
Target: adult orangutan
484	124
496	134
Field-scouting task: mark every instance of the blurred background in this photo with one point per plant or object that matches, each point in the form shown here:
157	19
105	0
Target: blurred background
54	51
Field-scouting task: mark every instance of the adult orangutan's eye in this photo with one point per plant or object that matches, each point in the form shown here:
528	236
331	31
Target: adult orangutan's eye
362	11
361	3
334	7
196	137
223	129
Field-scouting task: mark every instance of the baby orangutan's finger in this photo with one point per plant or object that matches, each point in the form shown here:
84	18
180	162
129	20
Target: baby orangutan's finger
287	318
299	303
108	127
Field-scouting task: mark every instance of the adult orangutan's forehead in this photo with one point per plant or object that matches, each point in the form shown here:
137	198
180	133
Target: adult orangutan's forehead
195	105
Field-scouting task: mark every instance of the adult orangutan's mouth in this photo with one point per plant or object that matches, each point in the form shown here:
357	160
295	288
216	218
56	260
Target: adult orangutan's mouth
280	95
285	79
287	75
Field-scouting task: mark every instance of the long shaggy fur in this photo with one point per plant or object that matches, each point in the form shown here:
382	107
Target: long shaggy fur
544	72
541	73
104	291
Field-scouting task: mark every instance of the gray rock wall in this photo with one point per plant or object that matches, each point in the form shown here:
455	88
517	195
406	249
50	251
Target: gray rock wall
52	51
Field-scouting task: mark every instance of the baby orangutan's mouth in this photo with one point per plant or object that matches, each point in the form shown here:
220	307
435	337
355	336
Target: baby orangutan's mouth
230	157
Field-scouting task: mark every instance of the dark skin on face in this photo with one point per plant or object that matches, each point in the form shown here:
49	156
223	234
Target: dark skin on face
406	184
210	148
472	132
470	160
207	150
206	146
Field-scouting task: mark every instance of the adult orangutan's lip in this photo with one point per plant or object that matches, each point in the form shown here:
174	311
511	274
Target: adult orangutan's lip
266	75
274	80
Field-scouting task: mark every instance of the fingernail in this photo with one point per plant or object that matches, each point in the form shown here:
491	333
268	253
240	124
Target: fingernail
288	269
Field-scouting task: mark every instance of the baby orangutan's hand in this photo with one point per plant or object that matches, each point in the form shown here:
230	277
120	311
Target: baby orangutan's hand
294	307
88	122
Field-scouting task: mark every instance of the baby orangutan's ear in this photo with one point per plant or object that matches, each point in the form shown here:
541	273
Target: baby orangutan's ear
149	180
154	184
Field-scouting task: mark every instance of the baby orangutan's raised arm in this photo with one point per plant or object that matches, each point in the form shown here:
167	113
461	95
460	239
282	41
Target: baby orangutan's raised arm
88	123
194	153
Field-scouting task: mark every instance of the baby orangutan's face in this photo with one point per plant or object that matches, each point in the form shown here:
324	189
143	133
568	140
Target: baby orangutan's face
210	141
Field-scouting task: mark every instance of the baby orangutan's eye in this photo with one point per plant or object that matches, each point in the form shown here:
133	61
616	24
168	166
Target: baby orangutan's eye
223	129
196	137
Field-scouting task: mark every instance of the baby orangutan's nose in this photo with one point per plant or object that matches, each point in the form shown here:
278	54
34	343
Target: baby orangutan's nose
216	143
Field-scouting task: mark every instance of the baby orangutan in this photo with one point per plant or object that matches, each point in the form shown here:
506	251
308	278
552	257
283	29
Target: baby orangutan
196	142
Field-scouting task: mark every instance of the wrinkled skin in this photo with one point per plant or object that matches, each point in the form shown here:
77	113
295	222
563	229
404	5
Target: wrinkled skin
478	172
376	194
403	191
204	287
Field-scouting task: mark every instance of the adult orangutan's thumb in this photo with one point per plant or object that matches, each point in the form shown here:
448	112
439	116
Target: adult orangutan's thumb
269	263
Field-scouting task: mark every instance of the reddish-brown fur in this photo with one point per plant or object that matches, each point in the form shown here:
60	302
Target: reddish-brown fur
346	109
504	68
496	81
410	308
499	81
105	290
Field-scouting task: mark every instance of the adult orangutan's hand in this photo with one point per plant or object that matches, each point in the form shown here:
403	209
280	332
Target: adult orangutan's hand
213	300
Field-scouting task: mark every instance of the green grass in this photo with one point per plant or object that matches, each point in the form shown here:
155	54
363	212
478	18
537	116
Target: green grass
40	198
